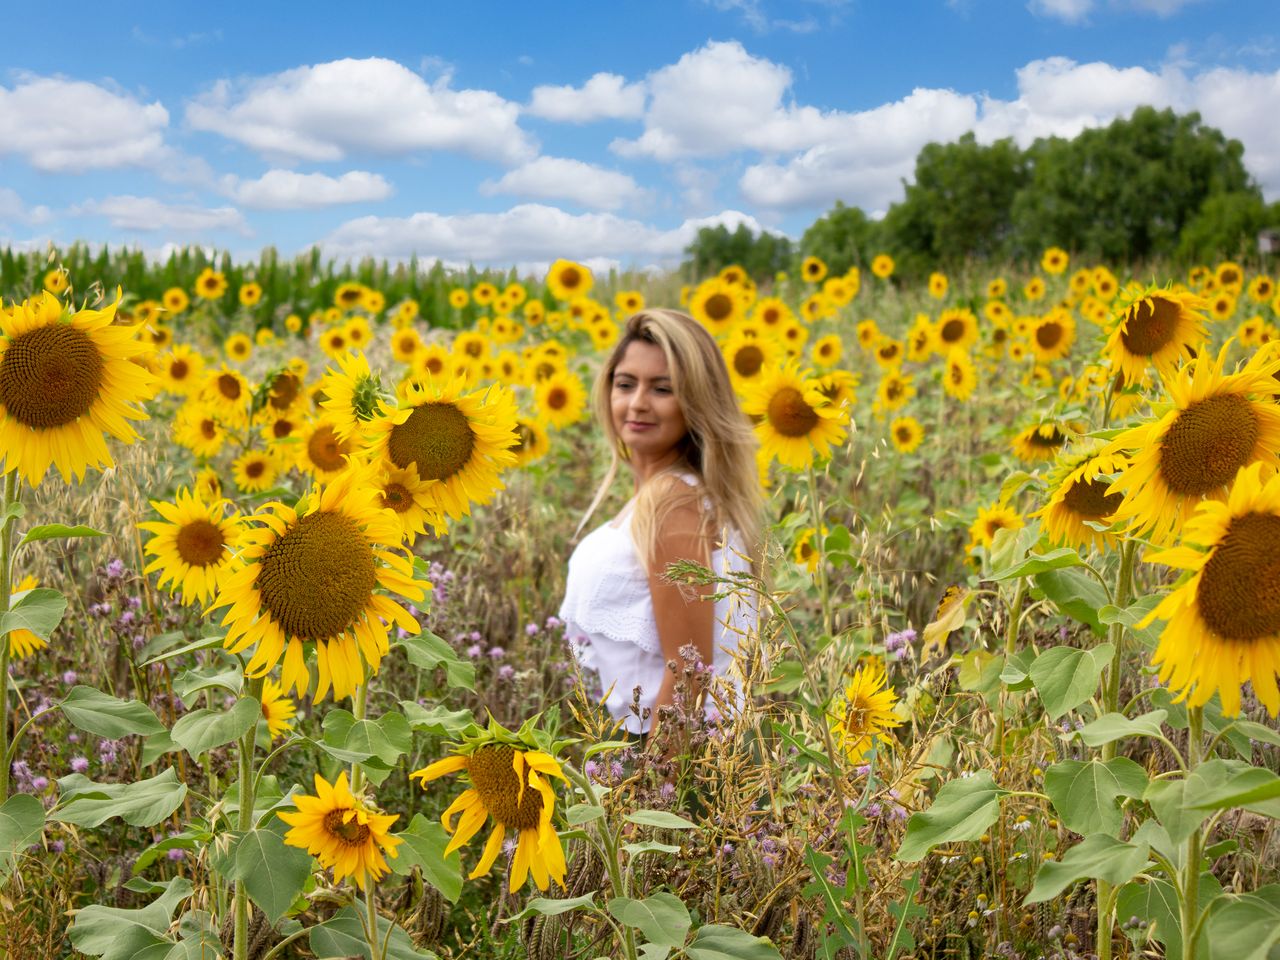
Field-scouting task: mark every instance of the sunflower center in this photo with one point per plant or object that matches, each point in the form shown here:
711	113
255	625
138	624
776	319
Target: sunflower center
437	437
50	376
1054	438
1208	443
1239	593
956	372
790	415
557	398
1089	499
179	369
570	278
200	543
904	434
952	331
434	365
1150	327
254	469
1049	335
208	429
316	579
351	834
495	780
396	496
748	361
281	429
718	306
284	390
893	390
326	450
229	386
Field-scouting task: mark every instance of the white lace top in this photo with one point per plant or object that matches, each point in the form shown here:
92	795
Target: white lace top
609	620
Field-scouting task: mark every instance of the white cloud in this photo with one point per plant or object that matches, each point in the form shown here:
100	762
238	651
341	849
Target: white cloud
525	234
13	208
375	106
289	190
1068	11
150	214
558	178
605	96
70	126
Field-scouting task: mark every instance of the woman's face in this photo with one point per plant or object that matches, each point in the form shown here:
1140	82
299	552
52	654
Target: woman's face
646	414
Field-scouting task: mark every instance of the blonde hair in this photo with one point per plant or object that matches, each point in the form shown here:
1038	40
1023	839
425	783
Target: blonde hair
719	447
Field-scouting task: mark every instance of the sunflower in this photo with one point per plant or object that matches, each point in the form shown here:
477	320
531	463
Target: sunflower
471	345
211	284
1222	306
308	575
431	361
894	391
937	285
351	394
342	832
865	713
405	343
532	442
1215	426
868	333
357	332
175	301
181	370
23	643
1154	327
805	552
826	351
334	342
1053	334
1080	495
508	783
1055	260
285	390
960	378
459	297
197	428
771	312
990	520
250	294
567	280
1105	284
955	328
882	266
560	399
65	381
56	281
813	270
373	301
715	306
1039	442
906	434
888	353
278	427
228	395
1033	289
748	358
254	471
320	451
461	439
408	496
406	312
194	545
797	423
1261	288
1229	275
238	347
278	710
1224	622
997	288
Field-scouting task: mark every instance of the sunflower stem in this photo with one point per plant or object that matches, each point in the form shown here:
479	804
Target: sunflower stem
1189	888
820	540
359	703
376	946
609	842
244	823
7	523
1010	648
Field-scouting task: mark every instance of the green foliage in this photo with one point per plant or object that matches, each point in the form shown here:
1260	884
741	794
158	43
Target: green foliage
21	821
845	237
100	713
142	804
963	810
762	255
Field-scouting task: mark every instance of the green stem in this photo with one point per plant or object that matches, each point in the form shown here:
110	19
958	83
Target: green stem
1010	648
371	918
1189	889
244	823
820	545
6	551
609	842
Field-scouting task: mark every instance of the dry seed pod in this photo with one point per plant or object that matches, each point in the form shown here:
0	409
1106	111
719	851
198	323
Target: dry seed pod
770	920
804	942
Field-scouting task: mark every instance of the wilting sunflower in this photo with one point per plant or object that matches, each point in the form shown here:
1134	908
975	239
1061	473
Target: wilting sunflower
278	710
797	423
307	576
461	439
1052	335
254	471
567	280
1039	442
990	520
906	434
508	783
65	381
865	713
342	832
960	378
1224	622
194	545
955	328
1154	327
211	284
23	643
560	399
1215	426
181	370
1080	494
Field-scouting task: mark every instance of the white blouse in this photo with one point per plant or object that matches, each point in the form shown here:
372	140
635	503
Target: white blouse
608	617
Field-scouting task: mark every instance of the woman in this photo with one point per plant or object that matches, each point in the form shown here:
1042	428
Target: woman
667	408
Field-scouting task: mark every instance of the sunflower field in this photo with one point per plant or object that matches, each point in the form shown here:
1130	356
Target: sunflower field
281	551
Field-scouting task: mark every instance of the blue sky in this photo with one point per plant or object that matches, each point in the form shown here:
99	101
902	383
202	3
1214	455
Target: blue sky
505	133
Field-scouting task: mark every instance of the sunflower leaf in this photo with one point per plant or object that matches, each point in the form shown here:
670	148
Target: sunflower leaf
963	810
548	907
39	610
660	818
1039	563
1098	856
427	651
106	716
201	730
716	941
1075	594
1246	926
662	917
424	845
1085	794
21	822
273	872
142	804
58	531
1066	677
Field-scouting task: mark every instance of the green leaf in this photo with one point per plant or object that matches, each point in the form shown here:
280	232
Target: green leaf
21	823
662	917
1258	732
1176	802
1156	902
439	721
547	907
15	510
1099	856
204	729
273	872
427	651
1116	726
1084	793
1133	615
581	813
156	746
142	804
227	677
649	846
1039	563
1015	675
424	846
980	672
660	818
106	716
342	937
963	810
379	743
1066	677
116	933
1245	927
56	531
39	610
715	941
204	643
1075	594
1251	787
838	540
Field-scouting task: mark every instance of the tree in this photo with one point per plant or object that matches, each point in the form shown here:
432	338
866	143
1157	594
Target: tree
715	248
845	237
1227	226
